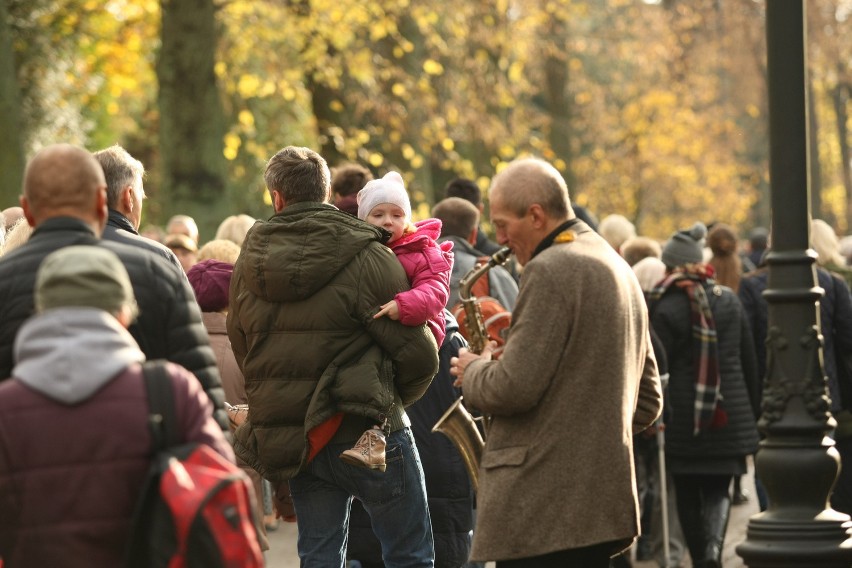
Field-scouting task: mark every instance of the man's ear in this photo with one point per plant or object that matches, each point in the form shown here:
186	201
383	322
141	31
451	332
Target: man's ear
101	211
471	238
28	214
539	219
127	199
278	202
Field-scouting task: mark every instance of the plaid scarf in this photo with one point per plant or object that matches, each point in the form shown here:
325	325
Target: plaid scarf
691	279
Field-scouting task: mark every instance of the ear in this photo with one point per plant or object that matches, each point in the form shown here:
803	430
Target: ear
539	218
28	214
101	211
278	202
127	199
471	238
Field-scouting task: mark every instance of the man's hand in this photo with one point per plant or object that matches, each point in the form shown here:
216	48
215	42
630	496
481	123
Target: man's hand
460	363
391	309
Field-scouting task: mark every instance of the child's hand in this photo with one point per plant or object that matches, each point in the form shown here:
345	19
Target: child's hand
391	309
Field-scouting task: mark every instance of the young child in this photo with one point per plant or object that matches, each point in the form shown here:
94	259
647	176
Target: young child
427	264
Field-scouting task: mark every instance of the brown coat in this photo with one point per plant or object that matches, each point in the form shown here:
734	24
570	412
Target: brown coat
577	379
232	378
235	393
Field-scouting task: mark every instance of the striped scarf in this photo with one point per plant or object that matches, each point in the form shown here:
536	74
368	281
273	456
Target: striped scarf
691	279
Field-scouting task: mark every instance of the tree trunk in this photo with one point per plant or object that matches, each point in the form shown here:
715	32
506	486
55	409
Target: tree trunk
813	144
840	97
330	124
192	123
556	93
11	143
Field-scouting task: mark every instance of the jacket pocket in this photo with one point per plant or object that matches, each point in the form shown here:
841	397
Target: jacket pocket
512	456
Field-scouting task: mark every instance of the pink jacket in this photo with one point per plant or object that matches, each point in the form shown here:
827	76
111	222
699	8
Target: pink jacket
428	266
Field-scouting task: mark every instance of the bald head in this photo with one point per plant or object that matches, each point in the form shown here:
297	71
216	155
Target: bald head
529	180
64	181
11	215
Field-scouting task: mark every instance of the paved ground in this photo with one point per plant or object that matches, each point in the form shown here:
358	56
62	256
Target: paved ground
283	540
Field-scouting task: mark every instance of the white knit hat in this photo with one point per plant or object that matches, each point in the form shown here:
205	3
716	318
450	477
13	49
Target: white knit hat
389	189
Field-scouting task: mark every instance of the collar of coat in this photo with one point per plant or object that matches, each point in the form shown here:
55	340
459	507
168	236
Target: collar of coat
556	236
118	220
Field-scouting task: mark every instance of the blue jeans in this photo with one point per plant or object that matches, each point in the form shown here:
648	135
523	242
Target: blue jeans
395	500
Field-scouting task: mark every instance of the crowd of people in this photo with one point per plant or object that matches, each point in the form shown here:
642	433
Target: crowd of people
318	347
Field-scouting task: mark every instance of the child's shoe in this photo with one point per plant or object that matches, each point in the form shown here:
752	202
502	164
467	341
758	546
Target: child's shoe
369	450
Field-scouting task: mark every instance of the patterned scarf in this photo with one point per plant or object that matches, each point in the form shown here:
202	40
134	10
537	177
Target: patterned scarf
691	279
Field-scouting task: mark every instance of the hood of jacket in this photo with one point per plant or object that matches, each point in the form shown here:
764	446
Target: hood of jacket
68	354
299	250
428	230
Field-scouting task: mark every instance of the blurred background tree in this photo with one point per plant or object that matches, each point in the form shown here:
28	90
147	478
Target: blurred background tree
655	109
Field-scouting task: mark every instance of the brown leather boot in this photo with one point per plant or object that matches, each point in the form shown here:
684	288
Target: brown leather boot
369	450
237	414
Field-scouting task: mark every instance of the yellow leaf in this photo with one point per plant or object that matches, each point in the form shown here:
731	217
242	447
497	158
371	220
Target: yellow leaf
248	85
398	89
448	144
376	159
246	118
432	67
417	162
232	145
336	106
516	71
407	151
378	31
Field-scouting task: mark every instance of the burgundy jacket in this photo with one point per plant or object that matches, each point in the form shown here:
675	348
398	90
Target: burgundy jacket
72	458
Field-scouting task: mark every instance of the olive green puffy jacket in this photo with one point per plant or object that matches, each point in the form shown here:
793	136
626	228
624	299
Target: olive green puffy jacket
302	297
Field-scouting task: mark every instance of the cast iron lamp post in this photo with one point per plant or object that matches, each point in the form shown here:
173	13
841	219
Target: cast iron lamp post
796	461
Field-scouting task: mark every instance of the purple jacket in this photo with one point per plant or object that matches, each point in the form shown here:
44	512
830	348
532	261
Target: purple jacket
428	266
74	439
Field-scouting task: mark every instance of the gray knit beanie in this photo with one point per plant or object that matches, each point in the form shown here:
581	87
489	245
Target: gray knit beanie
685	247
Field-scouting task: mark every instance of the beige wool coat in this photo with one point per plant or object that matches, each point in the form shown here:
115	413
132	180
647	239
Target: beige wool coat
577	379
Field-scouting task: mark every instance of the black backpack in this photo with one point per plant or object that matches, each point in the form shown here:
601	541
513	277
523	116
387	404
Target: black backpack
196	508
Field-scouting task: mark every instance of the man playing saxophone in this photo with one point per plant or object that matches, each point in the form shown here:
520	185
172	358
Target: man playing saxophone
576	380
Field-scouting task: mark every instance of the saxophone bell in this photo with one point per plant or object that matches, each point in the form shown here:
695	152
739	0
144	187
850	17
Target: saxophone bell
460	427
457	423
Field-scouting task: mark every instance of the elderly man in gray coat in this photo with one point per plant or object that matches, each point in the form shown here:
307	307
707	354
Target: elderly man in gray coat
577	379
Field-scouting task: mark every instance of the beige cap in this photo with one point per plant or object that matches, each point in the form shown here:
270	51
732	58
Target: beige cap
84	276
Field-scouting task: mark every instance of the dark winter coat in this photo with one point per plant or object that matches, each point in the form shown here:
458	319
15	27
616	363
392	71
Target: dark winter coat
672	322
169	323
121	230
303	295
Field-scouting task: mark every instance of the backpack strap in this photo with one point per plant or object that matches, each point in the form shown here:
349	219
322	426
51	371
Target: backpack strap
161	405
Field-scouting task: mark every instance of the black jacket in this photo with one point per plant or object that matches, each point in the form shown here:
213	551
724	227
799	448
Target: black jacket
835	315
671	320
119	229
169	324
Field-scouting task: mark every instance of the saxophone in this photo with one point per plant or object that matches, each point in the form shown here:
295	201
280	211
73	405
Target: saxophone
457	423
474	323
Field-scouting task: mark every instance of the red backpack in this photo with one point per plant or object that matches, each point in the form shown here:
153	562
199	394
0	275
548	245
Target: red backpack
196	507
